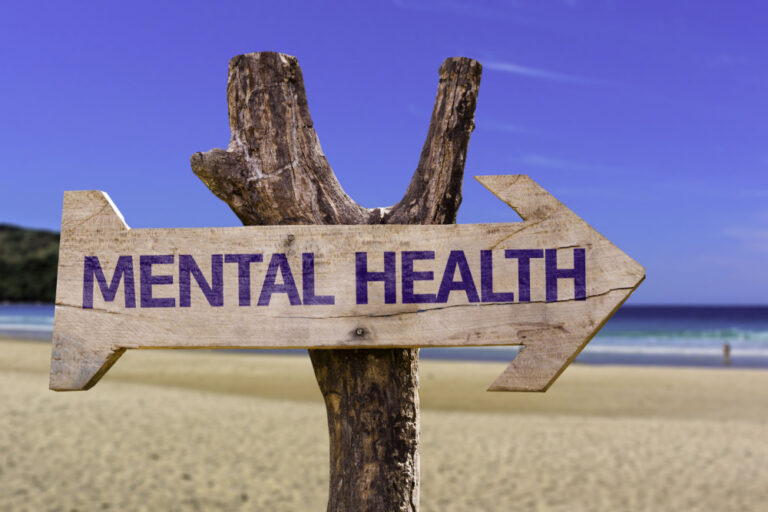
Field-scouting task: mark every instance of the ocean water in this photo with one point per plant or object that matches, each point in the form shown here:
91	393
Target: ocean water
686	329
28	321
662	335
679	335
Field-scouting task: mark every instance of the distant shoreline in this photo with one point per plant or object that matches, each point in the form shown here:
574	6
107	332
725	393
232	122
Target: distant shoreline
30	303
637	335
597	356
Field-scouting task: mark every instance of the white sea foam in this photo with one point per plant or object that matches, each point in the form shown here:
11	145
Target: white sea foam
674	351
6	327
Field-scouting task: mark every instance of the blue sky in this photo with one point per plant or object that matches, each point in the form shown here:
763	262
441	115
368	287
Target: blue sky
648	119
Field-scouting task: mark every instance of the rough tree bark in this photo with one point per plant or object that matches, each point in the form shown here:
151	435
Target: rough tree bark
274	172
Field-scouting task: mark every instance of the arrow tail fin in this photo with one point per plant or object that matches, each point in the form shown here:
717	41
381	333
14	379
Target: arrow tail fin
536	367
87	216
76	366
89	211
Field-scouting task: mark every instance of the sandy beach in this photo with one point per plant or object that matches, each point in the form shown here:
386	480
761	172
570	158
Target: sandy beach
195	430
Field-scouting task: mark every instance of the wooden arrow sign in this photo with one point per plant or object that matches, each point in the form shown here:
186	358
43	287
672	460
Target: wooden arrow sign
548	283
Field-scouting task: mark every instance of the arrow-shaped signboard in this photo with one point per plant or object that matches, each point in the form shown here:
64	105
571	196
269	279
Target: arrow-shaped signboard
548	283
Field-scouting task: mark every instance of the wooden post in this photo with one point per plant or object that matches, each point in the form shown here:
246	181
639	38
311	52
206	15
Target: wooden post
274	172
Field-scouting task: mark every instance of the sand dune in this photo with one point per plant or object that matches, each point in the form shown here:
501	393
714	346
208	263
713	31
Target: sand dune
203	431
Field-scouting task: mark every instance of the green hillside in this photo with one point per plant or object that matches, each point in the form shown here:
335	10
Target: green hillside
28	261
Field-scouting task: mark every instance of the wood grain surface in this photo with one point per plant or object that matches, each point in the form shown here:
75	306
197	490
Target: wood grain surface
87	340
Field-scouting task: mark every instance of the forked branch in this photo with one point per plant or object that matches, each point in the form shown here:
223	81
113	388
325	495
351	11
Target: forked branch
274	172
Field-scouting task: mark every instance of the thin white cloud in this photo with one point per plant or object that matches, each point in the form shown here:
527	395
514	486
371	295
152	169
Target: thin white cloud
725	60
504	127
460	8
416	110
482	124
754	192
746	233
752	237
548	162
541	74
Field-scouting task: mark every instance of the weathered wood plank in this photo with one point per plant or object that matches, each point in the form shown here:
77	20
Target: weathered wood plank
319	264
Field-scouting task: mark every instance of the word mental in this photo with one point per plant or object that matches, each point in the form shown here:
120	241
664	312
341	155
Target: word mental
398	282
547	283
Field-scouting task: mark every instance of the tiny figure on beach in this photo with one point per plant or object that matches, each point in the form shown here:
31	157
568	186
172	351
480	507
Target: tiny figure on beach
727	354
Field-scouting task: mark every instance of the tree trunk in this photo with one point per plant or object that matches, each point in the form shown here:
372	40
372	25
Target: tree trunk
274	172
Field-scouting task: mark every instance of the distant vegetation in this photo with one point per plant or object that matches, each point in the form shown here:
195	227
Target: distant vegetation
28	261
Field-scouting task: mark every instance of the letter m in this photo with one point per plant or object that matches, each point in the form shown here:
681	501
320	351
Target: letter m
93	271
